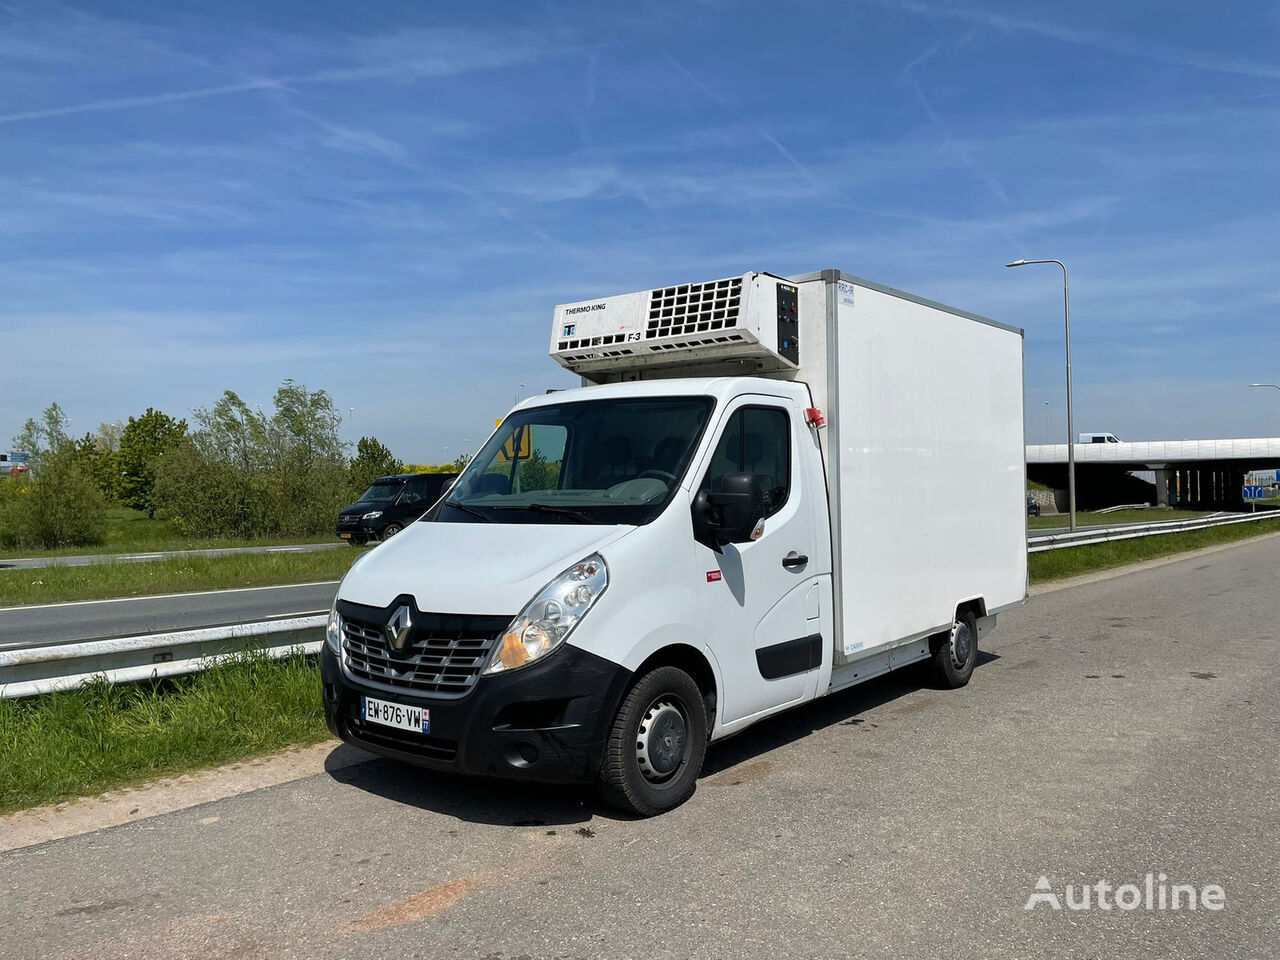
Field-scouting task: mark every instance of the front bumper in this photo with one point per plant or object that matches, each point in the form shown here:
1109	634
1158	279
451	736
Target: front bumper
546	722
361	532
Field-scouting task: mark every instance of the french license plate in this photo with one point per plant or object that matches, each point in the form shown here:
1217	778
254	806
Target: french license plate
395	715
345	536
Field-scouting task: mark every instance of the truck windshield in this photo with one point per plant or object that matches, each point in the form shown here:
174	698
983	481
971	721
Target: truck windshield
381	493
591	461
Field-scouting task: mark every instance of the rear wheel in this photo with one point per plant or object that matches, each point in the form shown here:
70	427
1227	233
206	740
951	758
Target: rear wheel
657	744
955	654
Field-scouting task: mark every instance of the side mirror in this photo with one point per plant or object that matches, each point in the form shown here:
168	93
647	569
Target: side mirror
730	514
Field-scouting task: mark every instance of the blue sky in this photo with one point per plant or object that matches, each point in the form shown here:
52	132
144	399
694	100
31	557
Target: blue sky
387	199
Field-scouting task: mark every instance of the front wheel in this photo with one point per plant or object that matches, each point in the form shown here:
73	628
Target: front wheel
955	654
656	745
391	530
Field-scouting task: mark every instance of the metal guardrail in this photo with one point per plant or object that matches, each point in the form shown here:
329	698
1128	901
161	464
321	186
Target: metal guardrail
43	669
33	670
1129	531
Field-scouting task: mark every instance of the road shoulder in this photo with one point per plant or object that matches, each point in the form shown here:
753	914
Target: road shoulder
72	818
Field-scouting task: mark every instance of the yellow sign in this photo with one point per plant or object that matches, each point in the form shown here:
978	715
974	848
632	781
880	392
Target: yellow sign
517	447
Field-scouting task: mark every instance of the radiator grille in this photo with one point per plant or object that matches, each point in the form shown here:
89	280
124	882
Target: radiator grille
694	308
443	658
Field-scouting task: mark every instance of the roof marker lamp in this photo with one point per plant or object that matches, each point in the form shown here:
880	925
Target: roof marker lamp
542	626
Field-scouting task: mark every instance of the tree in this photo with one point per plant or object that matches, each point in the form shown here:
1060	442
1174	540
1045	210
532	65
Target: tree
372	460
246	474
41	437
61	507
101	465
142	441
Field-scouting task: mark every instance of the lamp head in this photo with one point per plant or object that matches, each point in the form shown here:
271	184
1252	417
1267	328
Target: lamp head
1017	263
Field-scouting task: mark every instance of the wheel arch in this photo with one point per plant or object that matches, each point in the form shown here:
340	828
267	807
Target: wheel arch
692	661
978	606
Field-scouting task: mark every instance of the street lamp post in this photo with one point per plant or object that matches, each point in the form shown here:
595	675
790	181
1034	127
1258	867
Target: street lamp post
1071	426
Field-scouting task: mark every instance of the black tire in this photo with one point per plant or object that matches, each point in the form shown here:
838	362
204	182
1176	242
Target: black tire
955	653
656	745
390	530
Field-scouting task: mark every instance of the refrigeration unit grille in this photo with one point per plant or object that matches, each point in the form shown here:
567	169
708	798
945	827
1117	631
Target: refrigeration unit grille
694	308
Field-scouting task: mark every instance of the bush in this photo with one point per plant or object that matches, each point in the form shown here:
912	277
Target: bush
60	507
247	475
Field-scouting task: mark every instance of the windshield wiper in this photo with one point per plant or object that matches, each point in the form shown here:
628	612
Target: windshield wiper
577	515
471	510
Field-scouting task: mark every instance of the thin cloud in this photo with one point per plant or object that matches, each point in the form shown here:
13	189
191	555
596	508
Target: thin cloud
130	103
1115	42
908	74
413	55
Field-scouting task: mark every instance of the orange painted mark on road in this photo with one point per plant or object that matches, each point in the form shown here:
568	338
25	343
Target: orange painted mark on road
418	907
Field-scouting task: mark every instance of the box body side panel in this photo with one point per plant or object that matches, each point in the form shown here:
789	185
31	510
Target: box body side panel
929	474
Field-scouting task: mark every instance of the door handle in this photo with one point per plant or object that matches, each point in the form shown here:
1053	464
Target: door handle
793	560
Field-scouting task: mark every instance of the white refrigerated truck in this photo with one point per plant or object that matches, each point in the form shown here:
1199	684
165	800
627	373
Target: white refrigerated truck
727	520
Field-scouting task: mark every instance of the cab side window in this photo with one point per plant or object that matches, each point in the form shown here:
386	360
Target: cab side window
755	440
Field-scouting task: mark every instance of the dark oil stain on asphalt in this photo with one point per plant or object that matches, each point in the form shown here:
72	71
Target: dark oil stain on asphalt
89	909
1204	676
585	832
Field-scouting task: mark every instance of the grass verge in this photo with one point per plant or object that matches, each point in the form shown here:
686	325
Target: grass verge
81	742
132	531
1074	561
106	580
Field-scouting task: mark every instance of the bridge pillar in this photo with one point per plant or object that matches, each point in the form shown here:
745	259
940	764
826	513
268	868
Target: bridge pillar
1235	492
1163	479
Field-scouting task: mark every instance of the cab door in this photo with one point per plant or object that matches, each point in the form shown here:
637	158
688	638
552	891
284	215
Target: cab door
763	596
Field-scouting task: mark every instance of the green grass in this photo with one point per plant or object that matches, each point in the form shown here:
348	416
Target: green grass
1089	519
105	580
131	531
1073	561
81	742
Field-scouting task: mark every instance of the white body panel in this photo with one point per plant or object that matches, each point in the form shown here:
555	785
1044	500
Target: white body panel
922	393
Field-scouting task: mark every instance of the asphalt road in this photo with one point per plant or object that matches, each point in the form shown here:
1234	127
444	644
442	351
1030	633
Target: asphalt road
1125	726
68	622
87	560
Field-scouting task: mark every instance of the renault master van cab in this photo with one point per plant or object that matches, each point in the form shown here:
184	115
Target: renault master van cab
721	524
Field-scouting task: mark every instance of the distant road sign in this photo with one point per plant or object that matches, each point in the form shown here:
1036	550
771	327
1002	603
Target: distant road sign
517	446
1254	493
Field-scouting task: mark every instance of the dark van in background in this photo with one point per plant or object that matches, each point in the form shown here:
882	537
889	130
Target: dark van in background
390	503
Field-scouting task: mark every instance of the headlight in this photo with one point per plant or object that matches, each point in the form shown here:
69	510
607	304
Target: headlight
333	629
551	616
372	515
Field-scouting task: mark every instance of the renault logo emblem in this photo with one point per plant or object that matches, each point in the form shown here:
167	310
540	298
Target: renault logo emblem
397	629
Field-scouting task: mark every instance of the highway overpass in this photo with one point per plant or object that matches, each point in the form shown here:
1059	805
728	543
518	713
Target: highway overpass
1197	474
